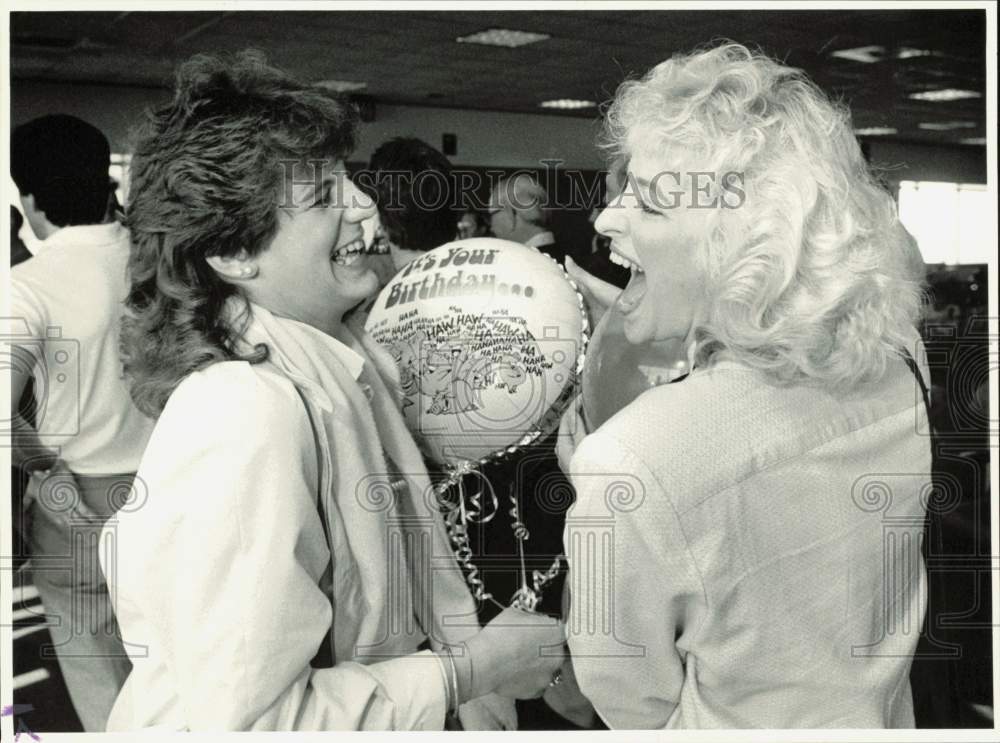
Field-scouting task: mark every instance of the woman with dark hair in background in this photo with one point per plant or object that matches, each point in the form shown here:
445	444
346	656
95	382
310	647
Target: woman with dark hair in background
751	556
277	560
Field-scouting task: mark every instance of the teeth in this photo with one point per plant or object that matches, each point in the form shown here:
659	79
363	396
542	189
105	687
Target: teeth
379	247
349	254
347	260
623	261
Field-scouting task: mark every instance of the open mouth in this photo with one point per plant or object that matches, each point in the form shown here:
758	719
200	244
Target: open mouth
631	297
619	259
349	254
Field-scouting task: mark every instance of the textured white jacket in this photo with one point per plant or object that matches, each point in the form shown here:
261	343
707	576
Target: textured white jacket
745	555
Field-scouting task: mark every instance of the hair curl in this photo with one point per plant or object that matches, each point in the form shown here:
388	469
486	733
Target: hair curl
205	181
812	278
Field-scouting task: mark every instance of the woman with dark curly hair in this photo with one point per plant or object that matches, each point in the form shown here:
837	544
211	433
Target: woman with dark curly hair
275	571
768	526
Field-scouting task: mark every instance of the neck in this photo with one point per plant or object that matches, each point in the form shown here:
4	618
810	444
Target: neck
526	231
330	325
46	229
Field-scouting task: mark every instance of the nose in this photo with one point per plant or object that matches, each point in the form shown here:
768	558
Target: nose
611	221
359	205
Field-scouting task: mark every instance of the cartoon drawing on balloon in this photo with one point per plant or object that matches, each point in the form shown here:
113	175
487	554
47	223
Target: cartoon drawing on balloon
450	393
480	372
406	354
511	372
454	360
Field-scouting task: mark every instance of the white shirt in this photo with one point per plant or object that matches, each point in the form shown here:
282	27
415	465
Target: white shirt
66	304
541	239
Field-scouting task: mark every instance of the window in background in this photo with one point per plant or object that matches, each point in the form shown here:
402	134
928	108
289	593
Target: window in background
950	221
119	171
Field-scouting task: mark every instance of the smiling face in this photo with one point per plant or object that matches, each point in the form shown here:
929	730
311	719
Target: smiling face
315	268
655	233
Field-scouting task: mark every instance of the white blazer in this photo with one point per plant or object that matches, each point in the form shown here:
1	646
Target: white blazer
224	582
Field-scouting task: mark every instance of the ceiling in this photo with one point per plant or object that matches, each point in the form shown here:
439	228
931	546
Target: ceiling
413	58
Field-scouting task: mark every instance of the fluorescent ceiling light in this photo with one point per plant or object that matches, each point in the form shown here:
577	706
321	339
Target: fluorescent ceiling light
342	86
503	37
567	103
948	94
875	131
974	140
866	54
945	126
909	53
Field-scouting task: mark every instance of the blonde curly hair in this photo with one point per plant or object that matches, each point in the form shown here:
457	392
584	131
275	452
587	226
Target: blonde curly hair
812	279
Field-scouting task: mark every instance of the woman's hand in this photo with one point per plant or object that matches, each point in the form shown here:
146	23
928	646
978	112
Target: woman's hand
572	430
515	655
489	712
597	293
567	699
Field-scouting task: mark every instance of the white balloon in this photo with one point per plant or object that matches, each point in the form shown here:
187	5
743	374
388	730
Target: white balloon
488	337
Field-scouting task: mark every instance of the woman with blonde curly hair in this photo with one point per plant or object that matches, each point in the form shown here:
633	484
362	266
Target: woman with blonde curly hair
281	567
752	578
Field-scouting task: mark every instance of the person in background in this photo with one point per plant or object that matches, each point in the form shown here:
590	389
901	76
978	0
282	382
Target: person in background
275	569
19	252
518	212
84	447
769	568
410	183
472	223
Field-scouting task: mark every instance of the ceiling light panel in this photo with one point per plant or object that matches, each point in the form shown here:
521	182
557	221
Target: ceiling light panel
505	37
910	53
947	94
342	86
946	126
866	54
568	104
875	131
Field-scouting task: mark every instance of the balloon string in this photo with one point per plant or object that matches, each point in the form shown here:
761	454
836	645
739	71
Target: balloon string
457	519
540	579
457	524
461	503
524	597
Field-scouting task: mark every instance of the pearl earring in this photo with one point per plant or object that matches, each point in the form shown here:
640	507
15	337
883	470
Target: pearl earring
248	272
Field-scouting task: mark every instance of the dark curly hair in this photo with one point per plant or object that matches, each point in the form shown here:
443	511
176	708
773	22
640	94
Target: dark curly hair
411	185
205	181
